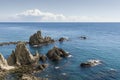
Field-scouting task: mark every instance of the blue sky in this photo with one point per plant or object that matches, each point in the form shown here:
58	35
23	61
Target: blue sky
60	10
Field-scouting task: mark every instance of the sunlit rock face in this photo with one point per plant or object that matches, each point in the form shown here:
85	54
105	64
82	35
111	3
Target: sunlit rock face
21	56
3	63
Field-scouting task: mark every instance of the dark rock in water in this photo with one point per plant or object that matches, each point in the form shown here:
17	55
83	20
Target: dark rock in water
90	63
37	39
21	56
56	54
43	58
63	39
83	37
42	66
31	77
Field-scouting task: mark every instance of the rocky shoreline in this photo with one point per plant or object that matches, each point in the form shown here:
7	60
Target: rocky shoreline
22	62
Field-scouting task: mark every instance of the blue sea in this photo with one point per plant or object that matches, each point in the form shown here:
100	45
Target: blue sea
102	43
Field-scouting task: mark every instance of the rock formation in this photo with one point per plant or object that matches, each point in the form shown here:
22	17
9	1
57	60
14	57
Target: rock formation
3	64
37	39
83	37
31	77
90	63
21	56
43	58
63	39
40	57
56	54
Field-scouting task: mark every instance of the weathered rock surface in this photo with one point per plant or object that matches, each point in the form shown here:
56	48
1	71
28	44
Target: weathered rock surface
90	63
31	77
56	54
38	39
3	64
63	39
21	56
43	58
40	57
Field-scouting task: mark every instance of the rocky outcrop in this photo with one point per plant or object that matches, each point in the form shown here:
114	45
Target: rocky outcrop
3	64
83	37
31	77
42	66
38	39
43	58
40	57
56	54
90	63
21	56
9	43
63	39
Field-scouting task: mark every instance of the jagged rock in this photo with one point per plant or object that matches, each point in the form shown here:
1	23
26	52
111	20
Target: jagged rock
42	66
40	57
56	54
31	77
3	64
36	56
90	63
37	39
43	58
63	39
21	56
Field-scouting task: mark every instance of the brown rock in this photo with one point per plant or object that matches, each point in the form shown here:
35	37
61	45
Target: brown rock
31	77
21	56
37	39
56	54
43	58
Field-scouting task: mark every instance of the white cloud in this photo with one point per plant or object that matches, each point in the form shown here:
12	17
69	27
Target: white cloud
40	16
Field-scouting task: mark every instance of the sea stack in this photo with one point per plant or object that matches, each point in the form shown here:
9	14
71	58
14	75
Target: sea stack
38	39
21	56
56	54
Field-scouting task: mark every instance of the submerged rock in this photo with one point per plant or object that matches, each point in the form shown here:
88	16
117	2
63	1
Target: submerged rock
21	56
83	37
3	64
90	63
56	54
38	39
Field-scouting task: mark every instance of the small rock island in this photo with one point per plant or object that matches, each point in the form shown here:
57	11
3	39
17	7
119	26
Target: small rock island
37	39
